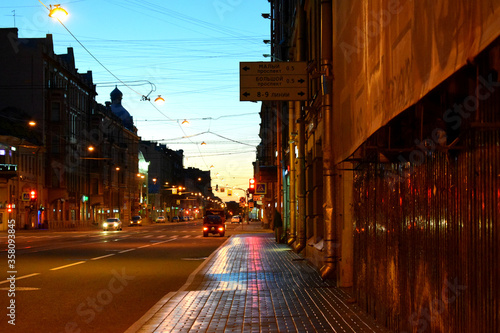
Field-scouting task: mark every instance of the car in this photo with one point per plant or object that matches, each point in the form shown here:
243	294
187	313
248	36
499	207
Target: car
136	220
112	223
191	218
213	224
175	219
185	218
236	219
160	219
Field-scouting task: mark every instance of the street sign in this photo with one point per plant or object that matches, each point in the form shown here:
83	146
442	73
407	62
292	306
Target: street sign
273	81
26	196
273	94
261	188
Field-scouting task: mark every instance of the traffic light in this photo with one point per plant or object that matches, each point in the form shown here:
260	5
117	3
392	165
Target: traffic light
251	185
33	195
9	208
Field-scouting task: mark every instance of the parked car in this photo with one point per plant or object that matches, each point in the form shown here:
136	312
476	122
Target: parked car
136	220
191	218
175	219
236	219
160	219
213	224
112	223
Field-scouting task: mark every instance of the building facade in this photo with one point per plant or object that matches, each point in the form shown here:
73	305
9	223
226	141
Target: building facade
387	176
75	186
165	174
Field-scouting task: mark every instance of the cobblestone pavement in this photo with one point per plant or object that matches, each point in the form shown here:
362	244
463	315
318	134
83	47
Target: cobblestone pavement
253	284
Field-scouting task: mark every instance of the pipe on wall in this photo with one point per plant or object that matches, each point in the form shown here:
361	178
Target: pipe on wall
300	160
329	269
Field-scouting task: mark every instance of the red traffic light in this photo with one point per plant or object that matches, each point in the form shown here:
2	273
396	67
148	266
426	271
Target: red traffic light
251	185
33	195
9	208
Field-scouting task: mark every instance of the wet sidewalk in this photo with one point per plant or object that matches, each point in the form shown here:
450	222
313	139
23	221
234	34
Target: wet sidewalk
253	284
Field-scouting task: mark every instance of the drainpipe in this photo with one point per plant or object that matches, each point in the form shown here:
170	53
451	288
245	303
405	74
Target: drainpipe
279	165
300	160
292	138
329	268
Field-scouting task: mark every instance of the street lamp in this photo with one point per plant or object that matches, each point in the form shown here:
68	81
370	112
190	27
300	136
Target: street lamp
58	12
160	100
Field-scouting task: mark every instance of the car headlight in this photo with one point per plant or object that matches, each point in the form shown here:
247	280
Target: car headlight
115	224
104	225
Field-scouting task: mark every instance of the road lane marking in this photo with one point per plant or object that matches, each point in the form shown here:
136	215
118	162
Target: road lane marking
161	236
166	241
65	266
101	257
21	277
124	251
140	247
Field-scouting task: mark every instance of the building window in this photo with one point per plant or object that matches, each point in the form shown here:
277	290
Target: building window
55	145
55	111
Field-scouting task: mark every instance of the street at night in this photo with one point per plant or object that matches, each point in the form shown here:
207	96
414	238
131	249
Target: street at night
100	281
250	166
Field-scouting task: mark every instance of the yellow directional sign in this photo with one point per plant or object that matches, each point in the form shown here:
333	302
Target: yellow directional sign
273	81
273	94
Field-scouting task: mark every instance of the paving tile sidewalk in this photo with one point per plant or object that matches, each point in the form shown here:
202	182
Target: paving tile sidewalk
253	284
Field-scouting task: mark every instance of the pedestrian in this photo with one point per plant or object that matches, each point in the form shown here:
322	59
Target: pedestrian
277	225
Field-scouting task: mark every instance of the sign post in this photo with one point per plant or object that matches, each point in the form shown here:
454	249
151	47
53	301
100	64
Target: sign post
261	188
273	81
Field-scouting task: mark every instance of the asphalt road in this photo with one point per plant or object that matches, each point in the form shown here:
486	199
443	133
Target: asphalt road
96	281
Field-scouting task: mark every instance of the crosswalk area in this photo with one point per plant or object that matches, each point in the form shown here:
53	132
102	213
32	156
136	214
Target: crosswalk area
181	234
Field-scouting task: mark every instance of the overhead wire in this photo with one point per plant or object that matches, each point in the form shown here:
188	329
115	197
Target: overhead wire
195	22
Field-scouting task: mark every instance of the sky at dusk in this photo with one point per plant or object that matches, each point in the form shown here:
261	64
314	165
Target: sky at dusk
189	50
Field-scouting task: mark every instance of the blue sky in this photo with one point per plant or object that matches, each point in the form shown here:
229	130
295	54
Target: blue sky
190	50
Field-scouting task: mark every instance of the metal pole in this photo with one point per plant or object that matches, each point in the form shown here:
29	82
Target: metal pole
329	268
292	144
301	136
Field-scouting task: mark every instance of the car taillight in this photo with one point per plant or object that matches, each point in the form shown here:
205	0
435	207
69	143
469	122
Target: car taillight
221	229
205	228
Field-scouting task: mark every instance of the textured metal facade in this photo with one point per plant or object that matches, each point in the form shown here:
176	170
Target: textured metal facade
427	233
